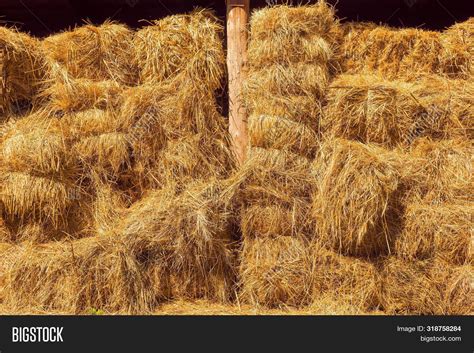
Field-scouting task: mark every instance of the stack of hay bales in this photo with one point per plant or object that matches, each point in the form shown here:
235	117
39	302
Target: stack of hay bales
406	178
132	122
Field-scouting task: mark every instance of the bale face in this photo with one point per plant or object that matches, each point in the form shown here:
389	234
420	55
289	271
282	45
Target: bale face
276	272
355	203
456	58
443	231
21	71
281	133
184	47
93	52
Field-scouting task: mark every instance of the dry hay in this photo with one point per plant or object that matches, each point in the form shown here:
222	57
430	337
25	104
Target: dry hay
271	177
108	206
35	144
427	287
444	231
21	70
456	59
77	277
393	53
93	52
193	157
5	234
280	133
70	95
347	280
356	201
283	22
187	48
461	122
370	109
276	272
91	122
185	240
441	171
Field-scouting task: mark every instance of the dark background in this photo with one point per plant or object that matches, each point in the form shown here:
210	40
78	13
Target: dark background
42	17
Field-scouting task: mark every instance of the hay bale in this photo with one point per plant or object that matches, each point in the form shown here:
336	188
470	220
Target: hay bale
444	231
21	71
285	22
456	58
77	277
347	280
93	52
187	48
441	171
356	201
36	144
276	272
71	95
262	220
370	109
281	133
393	53
185	235
91	122
427	288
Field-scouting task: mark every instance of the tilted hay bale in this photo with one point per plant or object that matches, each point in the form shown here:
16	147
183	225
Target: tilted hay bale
184	47
93	52
427	287
185	236
444	231
272	221
21	70
287	22
79	94
346	279
393	53
456	59
356	201
76	277
281	133
36	144
441	170
44	198
370	109
276	272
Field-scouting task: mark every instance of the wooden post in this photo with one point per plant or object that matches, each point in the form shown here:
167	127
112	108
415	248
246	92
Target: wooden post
237	36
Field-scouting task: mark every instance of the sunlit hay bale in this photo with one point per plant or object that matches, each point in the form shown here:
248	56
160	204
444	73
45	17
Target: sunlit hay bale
461	122
276	272
393	53
356	201
459	289
78	276
456	59
186	235
348	280
193	157
292	22
281	133
409	288
108	206
93	52
370	109
187	47
91	122
35	144
21	71
444	231
272	221
272	176
79	94
41	197
107	153
295	80
442	171
289	50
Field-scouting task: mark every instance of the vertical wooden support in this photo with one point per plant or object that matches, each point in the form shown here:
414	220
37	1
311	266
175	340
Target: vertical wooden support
237	36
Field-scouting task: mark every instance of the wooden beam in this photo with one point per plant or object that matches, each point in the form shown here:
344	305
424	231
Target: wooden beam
237	36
